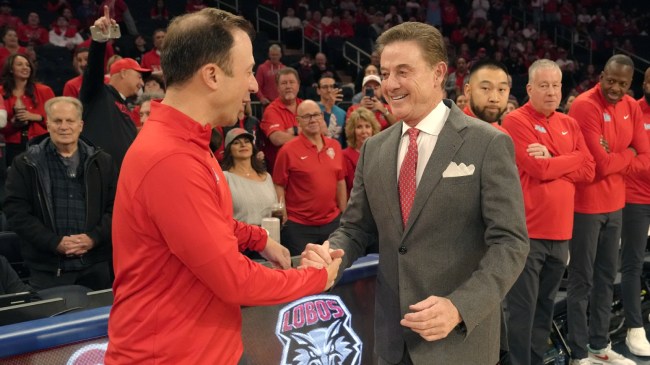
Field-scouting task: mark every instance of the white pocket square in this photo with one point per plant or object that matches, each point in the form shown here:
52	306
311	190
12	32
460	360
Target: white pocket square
455	170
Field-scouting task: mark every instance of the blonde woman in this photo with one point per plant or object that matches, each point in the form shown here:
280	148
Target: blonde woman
360	126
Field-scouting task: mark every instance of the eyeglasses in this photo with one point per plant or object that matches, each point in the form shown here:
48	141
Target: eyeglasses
309	117
327	86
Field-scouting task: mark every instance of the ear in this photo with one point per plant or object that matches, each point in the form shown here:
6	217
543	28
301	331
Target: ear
440	70
467	90
529	88
210	74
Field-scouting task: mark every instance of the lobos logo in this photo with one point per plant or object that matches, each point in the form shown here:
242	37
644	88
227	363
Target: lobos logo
317	330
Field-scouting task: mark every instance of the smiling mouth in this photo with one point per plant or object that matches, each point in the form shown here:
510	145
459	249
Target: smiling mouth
399	97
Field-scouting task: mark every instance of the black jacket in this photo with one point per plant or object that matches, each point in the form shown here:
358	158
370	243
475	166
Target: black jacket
29	204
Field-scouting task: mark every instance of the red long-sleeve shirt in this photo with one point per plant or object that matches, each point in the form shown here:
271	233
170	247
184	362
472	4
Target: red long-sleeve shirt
265	76
180	278
637	185
621	126
42	94
548	184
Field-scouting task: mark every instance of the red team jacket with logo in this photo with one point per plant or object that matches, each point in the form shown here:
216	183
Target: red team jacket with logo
621	125
637	185
548	184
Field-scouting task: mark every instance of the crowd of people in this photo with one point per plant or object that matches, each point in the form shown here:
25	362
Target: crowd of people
528	181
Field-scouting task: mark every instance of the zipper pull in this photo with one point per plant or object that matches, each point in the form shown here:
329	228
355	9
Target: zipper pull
58	272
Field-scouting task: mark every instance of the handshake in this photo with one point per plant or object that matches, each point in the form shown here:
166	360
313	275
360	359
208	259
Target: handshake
322	256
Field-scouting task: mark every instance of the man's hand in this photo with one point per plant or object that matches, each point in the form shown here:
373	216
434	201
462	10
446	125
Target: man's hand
432	318
319	256
276	254
603	142
332	271
75	245
538	150
104	23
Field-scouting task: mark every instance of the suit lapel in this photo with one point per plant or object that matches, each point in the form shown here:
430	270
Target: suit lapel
388	154
449	141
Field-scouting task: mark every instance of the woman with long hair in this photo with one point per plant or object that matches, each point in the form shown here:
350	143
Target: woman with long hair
253	193
24	100
360	126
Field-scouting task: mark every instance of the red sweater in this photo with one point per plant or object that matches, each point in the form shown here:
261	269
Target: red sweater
151	60
42	94
621	126
180	277
637	185
548	184
265	76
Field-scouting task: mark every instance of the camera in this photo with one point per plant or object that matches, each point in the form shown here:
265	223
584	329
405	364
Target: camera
370	92
98	35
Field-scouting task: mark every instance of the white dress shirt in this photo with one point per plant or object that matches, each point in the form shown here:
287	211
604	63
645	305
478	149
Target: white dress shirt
430	128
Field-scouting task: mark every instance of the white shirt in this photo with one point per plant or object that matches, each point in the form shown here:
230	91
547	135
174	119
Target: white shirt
430	128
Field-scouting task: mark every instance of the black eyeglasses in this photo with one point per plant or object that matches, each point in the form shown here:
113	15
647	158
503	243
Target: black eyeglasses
309	117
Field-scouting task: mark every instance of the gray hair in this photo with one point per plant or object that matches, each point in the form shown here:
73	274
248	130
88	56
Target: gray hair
148	97
540	64
275	47
63	99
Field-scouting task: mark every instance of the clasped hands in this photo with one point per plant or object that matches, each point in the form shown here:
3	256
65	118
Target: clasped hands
75	245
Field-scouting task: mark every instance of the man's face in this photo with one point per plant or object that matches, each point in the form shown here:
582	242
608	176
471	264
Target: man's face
288	88
374	86
275	55
321	61
133	81
158	39
646	85
545	90
64	124
461	64
487	93
410	84
145	110
33	19
81	62
236	89
615	80
325	89
310	118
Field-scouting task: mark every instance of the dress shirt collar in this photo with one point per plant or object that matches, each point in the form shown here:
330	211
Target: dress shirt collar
431	124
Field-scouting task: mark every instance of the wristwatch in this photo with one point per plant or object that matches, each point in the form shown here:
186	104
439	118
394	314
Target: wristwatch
386	112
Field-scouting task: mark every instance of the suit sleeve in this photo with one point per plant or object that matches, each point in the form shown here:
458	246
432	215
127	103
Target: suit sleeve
589	120
198	231
543	169
506	237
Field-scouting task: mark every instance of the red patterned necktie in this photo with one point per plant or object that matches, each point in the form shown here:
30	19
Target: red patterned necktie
406	184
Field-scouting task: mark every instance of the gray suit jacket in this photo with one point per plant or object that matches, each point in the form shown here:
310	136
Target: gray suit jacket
465	239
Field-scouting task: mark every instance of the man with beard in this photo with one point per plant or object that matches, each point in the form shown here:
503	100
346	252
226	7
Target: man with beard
611	124
552	157
487	92
636	220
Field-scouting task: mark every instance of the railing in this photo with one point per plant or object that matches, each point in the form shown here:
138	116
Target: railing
318	44
257	109
231	6
269	17
640	63
356	56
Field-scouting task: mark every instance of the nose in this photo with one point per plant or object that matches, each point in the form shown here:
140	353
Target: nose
252	84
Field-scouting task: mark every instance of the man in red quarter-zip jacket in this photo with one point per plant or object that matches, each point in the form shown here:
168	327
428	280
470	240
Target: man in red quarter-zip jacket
552	157
611	124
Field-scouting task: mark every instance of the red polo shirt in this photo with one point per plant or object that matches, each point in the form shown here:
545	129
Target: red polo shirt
309	178
276	117
548	184
621	125
637	185
180	277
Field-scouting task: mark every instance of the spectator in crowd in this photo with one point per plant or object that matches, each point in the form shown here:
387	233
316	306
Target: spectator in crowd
338	29
7	20
60	201
333	115
62	35
173	213
455	83
636	219
360	126
86	12
108	121
151	59
279	119
32	32
487	91
619	146
549	168
79	63
428	305
57	6
393	17
373	101
305	73
308	177
10	45
72	21
567	104
138	49
159	12
193	6
322	68
144	105
9	281
510	107
246	121
253	193
154	83
266	75
461	101
24	100
121	14
313	29
376	25
368	70
292	29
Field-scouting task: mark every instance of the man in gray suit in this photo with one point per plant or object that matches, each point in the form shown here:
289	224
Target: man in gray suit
441	194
